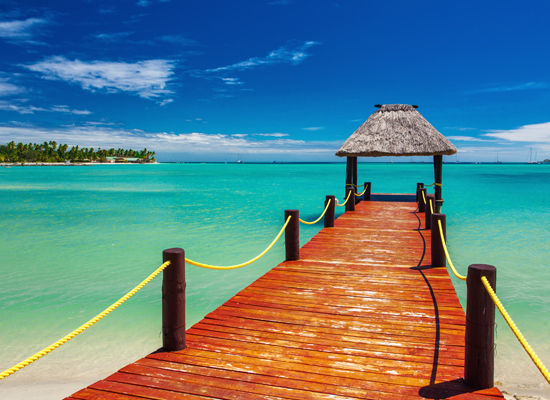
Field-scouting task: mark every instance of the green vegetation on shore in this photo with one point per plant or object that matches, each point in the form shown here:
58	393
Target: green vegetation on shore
52	152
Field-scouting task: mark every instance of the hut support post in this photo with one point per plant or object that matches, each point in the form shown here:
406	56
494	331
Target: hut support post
173	300
355	176
479	351
438	167
349	173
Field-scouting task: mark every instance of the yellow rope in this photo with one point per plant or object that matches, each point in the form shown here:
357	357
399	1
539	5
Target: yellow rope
197	264
461	277
515	329
82	328
347	198
435	183
361	194
318	219
351	184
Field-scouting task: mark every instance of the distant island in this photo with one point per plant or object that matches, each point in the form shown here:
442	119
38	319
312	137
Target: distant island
51	152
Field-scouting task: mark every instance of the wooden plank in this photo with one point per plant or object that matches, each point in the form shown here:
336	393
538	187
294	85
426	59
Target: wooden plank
269	377
345	361
326	346
93	394
404	316
367	346
301	333
166	389
380	305
344	321
350	335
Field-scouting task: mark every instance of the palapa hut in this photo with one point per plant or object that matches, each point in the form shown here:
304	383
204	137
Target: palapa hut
396	130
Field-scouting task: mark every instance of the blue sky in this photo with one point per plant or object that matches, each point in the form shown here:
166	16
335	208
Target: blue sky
288	80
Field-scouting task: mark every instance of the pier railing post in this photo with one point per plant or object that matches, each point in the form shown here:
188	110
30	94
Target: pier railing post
419	185
350	205
428	211
173	300
421	204
480	327
438	254
292	235
329	215
367	186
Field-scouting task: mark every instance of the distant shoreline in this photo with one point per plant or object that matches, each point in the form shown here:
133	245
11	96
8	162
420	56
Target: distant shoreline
78	164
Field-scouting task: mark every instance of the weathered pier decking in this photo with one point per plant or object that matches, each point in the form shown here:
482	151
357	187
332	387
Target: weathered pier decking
362	314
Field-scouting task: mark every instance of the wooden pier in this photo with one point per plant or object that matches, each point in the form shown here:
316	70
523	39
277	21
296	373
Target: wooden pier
362	314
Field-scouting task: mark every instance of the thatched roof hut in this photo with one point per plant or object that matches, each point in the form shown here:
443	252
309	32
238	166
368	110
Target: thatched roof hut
396	130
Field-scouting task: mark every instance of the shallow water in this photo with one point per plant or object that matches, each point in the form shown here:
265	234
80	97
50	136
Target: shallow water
75	239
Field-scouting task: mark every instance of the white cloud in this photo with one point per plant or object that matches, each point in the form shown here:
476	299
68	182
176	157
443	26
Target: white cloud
484	151
314	128
28	109
460	128
22	29
293	54
147	79
508	88
277	134
107	10
112	37
164	102
527	133
231	81
467	139
178	39
9	89
147	3
197	143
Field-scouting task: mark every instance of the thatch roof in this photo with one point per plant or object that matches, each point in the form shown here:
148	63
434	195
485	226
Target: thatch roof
396	130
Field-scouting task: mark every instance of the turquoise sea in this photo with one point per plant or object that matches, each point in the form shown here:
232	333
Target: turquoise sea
75	239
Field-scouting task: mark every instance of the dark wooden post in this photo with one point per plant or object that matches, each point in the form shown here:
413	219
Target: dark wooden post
173	300
428	215
438	168
480	326
438	254
421	205
419	185
329	215
350	205
367	186
349	173
292	235
355	174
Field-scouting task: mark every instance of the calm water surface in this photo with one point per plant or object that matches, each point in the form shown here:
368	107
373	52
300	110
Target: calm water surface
75	239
